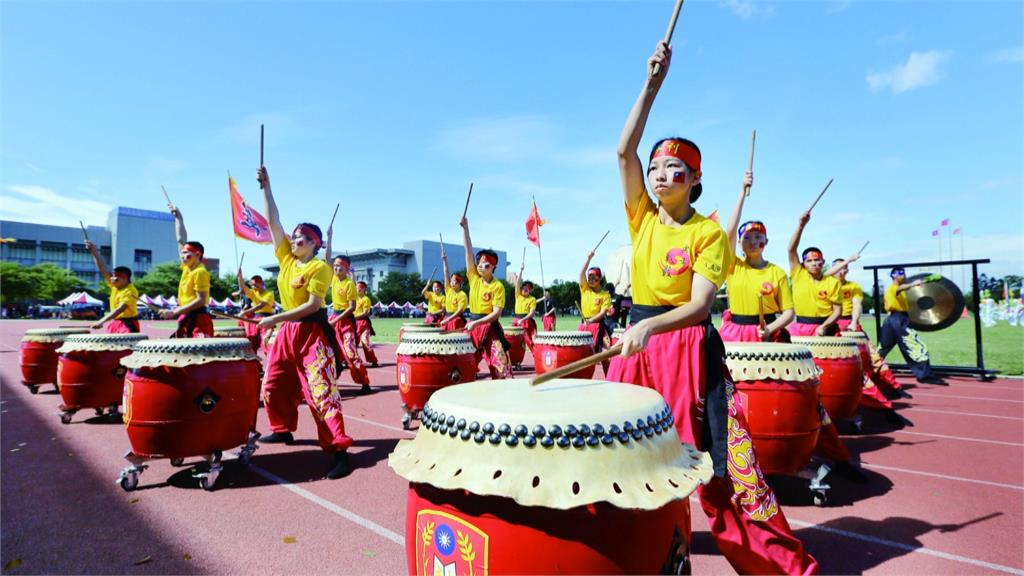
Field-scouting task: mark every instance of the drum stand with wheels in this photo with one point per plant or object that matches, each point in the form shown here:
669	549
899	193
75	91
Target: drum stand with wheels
408	416
816	484
111	413
129	477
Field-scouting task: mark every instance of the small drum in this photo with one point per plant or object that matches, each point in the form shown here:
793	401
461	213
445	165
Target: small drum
516	336
410	327
863	346
426	363
90	373
569	477
617	335
189	397
38	357
842	377
556	349
779	386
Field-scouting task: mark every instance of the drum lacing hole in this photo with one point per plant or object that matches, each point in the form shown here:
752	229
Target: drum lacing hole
615	486
575	487
787	371
497	474
457	472
432	466
648	486
674	485
536	481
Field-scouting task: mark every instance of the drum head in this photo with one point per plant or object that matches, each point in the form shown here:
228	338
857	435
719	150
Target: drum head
750	361
421	343
830	347
51	335
188	352
101	342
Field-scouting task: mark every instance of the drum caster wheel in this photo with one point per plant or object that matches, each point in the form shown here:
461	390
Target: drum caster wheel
406	420
33	389
65	417
245	458
216	456
129	482
819	497
208	479
206	484
98	411
177	461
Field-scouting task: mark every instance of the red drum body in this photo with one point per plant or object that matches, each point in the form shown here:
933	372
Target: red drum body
863	347
517	343
842	377
427	362
494	535
779	384
38	355
553	350
193	401
91	379
617	335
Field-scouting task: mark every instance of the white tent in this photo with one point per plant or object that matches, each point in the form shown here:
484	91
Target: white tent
378	306
159	301
80	298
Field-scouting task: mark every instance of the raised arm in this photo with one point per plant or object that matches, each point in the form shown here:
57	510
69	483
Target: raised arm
98	258
855	313
327	246
737	211
631	169
444	270
468	243
583	271
794	242
841	264
179	225
277	233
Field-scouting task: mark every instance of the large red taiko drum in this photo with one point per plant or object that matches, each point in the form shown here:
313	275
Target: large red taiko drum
553	350
842	377
617	335
779	385
427	362
38	357
571	477
190	396
863	346
516	336
90	372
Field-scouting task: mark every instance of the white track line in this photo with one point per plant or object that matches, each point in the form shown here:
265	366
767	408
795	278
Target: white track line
955	413
948	437
323	503
989	386
375	423
944	476
916	394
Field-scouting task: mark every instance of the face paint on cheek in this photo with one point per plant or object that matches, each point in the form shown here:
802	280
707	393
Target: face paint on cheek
679	177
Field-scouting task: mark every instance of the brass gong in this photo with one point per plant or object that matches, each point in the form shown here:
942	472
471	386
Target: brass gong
936	304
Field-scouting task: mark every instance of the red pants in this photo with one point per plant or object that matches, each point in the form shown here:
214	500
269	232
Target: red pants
433	318
529	330
747	523
300	363
363	330
123	326
489	348
549	323
880	373
254	333
200	326
801	329
347	335
457	323
601	339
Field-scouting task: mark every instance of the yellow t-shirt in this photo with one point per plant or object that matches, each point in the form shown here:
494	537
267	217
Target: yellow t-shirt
666	257
193	281
895	301
363	305
435	303
129	296
849	291
343	292
593	303
265	300
484	298
525	304
296	281
814	298
745	283
455	300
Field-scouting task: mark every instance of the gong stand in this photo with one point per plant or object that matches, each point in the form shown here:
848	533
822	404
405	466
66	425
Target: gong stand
979	370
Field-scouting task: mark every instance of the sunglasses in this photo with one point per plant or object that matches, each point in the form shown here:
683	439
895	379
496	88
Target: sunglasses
485	265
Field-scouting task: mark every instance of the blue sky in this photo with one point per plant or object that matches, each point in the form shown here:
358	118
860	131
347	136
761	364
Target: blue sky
916	109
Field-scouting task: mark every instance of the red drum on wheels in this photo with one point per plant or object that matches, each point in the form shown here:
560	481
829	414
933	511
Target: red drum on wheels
516	336
90	372
572	476
863	346
427	362
779	384
38	357
556	349
842	377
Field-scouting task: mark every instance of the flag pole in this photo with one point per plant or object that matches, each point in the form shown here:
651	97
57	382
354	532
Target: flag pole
540	257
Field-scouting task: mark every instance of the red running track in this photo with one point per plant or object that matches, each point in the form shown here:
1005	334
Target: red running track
945	496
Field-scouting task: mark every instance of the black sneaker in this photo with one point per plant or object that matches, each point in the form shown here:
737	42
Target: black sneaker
341	468
278	438
850	472
365	389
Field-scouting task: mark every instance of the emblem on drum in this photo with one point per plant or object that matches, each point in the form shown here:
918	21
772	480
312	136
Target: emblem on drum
549	358
403	377
449	546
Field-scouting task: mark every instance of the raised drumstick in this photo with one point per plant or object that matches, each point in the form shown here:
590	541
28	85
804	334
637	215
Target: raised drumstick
820	195
671	29
468	196
750	163
599	241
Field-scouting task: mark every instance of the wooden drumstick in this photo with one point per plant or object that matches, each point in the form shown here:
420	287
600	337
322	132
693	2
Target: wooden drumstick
468	196
820	195
432	272
84	233
750	163
261	152
863	247
577	365
336	206
168	198
216	314
150	305
598	242
668	33
760	312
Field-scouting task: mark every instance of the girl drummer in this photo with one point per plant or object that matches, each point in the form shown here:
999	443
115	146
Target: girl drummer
262	305
194	321
124	297
433	293
816	297
526	308
486	301
595	303
549	319
343	306
302	361
455	300
364	326
679	260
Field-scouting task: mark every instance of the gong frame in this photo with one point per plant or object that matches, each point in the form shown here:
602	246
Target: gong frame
978	370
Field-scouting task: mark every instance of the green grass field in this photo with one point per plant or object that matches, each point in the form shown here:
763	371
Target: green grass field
1003	345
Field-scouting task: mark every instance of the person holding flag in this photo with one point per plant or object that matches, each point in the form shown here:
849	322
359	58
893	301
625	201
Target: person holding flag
549	319
455	300
486	301
194	321
364	326
124	297
302	361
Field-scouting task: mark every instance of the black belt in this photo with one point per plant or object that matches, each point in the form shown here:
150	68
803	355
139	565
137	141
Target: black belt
495	331
846	317
188	321
132	324
811	319
320	317
715	430
748	320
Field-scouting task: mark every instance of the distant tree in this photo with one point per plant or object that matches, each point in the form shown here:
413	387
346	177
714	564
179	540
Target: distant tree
161	280
400	287
15	283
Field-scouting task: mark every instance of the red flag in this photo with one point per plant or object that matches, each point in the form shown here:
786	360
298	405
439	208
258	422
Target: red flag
533	224
956	231
249	224
945	222
714	215
935	232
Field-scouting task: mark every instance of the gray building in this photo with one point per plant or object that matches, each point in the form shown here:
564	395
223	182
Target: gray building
419	256
134	238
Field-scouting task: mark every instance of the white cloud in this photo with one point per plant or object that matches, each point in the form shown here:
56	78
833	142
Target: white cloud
921	69
1010	55
747	9
45	206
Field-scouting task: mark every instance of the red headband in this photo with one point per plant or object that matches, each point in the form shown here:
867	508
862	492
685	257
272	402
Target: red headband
361	283
457	278
595	269
681	150
192	249
753	226
311	234
488	257
813	254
